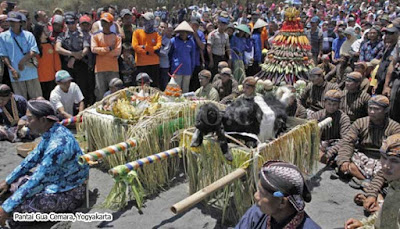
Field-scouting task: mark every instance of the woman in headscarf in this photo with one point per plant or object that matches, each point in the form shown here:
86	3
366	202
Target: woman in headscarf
240	43
280	199
57	182
350	39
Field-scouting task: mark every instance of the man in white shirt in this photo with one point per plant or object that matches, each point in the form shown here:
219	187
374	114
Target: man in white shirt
66	95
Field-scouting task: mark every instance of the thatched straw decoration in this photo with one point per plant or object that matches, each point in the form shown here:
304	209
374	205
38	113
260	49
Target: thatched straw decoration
206	164
153	134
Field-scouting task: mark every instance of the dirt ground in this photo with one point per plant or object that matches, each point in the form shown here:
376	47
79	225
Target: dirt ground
332	202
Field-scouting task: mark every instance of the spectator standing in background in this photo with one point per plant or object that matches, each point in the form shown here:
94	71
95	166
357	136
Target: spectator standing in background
107	46
48	60
147	43
18	48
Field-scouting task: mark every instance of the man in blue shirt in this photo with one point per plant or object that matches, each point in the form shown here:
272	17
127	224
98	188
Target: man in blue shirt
17	48
336	44
56	185
182	55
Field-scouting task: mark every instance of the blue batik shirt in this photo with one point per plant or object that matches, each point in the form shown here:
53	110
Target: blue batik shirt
57	167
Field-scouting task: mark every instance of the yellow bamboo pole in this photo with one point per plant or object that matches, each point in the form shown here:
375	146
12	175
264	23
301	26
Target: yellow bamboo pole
192	200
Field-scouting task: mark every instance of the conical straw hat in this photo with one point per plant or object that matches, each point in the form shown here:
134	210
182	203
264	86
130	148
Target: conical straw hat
243	28
184	26
260	23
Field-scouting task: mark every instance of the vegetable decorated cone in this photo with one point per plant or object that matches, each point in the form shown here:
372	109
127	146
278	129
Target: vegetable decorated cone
288	59
173	90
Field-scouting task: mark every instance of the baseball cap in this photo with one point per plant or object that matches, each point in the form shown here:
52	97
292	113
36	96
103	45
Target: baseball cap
107	17
148	16
84	19
14	16
144	76
70	17
125	12
63	76
223	20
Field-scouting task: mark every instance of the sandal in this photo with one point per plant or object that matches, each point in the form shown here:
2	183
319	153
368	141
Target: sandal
359	199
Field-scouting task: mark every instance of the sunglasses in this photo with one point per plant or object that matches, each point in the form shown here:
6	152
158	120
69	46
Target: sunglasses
70	22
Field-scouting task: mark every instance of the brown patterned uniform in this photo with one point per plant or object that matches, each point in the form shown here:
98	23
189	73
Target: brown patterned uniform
362	143
312	97
355	105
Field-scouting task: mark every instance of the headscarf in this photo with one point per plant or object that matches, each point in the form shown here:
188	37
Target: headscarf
391	146
42	108
283	179
379	100
346	46
333	95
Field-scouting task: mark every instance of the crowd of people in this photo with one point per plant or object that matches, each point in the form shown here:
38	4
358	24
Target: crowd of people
67	61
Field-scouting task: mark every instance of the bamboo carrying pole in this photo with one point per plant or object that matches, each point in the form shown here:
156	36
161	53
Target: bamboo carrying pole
125	169
105	152
69	121
205	192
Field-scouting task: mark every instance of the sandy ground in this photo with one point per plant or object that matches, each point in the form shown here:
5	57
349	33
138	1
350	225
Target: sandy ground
332	202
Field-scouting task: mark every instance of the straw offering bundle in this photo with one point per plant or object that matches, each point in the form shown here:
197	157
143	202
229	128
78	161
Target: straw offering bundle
206	164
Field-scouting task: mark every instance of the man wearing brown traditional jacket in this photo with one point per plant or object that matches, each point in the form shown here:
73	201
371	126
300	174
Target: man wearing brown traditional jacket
226	86
355	100
330	136
312	96
359	150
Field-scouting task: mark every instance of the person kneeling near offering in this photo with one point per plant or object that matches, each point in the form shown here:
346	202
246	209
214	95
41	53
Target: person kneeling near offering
66	97
206	91
331	135
280	199
358	153
57	182
387	216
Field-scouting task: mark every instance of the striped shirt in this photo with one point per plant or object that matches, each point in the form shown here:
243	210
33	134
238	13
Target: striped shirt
376	185
338	129
355	105
313	95
366	137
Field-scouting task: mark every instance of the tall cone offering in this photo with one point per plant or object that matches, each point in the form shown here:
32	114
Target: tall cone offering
288	59
173	90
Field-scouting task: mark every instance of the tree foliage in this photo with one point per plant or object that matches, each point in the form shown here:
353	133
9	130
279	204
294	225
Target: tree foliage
83	5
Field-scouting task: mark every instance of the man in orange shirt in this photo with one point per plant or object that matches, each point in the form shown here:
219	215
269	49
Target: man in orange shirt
107	46
147	43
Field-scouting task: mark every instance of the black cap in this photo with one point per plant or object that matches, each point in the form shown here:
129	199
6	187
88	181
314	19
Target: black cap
70	17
